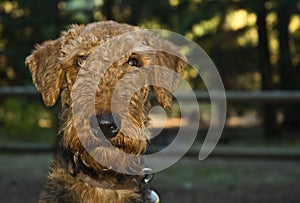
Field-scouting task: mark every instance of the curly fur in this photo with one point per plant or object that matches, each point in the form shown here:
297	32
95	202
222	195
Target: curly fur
55	67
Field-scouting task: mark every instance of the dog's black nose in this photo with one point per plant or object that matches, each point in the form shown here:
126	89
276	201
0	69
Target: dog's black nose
108	124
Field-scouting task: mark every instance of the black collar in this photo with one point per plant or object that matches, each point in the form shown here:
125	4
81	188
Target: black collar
78	169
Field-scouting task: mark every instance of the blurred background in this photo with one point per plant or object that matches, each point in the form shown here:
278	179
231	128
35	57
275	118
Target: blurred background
255	46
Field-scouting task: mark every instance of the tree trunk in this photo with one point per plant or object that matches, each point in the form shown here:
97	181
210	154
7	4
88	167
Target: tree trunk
107	9
271	129
287	72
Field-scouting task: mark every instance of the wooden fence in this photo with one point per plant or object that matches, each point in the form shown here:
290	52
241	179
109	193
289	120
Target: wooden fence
231	96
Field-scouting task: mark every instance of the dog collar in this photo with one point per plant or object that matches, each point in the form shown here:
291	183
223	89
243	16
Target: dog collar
131	182
77	169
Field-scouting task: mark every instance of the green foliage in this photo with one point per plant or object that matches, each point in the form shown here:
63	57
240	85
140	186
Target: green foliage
25	120
23	24
222	28
226	30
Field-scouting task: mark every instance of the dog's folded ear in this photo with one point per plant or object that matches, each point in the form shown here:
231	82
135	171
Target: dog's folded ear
167	78
47	73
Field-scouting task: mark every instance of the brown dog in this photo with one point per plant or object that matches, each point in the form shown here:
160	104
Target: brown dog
90	129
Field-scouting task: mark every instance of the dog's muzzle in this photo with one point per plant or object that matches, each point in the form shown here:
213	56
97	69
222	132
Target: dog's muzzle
107	125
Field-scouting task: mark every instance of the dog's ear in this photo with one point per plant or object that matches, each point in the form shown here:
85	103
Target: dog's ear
46	72
170	78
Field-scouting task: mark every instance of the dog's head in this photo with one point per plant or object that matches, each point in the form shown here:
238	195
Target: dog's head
104	73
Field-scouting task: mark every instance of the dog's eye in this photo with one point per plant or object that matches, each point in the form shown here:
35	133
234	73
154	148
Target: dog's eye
134	62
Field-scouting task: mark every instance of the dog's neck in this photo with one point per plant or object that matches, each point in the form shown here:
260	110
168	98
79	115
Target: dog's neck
77	169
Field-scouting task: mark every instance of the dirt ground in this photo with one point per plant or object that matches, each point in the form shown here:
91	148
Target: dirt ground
188	181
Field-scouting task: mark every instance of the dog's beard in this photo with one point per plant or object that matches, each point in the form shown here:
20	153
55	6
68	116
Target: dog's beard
129	144
118	154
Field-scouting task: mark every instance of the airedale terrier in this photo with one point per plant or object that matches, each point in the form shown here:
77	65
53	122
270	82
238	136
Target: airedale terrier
103	73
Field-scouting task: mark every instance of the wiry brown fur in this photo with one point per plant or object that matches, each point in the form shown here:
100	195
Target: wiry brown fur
55	65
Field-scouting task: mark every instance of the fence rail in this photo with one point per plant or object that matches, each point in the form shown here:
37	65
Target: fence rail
19	91
231	96
237	96
283	153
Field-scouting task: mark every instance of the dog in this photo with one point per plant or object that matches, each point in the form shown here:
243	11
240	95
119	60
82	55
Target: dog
102	74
